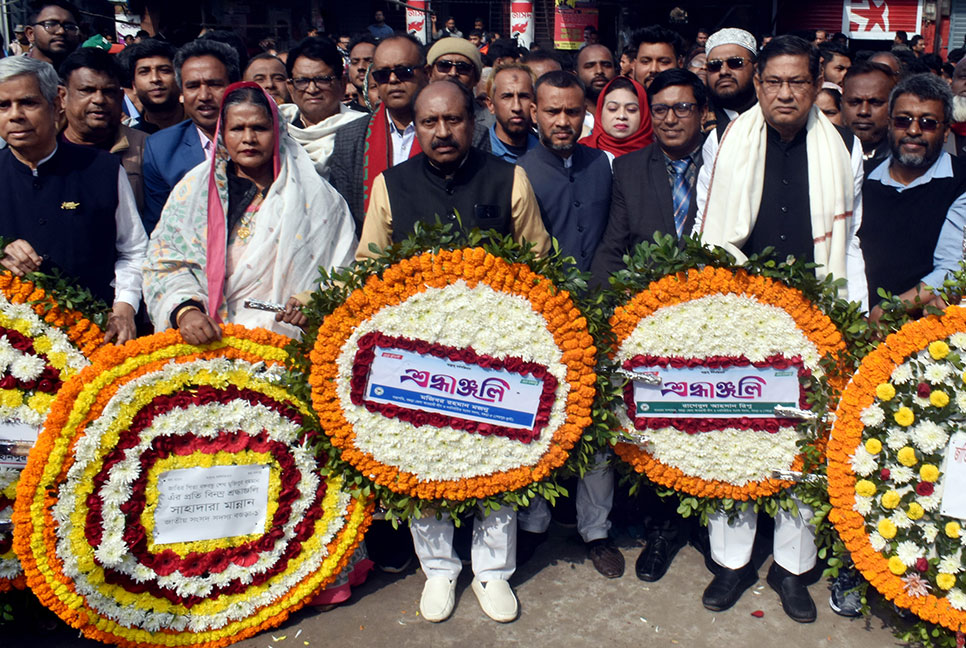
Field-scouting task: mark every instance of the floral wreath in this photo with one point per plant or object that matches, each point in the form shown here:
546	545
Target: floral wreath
42	344
691	306
95	504
480	304
887	462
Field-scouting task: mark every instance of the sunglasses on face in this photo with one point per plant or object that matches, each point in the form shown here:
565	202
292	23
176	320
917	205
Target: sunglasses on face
733	63
403	73
462	67
681	110
926	124
321	82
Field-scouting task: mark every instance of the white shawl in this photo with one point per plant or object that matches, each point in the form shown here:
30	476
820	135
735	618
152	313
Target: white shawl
319	140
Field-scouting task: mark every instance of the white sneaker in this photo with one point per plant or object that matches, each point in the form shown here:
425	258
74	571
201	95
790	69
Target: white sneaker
497	599
438	599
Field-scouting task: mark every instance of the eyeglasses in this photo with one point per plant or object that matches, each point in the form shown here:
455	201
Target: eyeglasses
926	124
797	86
462	67
681	110
733	63
53	26
321	82
403	73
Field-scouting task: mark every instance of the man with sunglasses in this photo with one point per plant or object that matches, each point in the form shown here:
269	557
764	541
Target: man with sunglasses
784	177
367	147
53	31
314	71
457	59
921	179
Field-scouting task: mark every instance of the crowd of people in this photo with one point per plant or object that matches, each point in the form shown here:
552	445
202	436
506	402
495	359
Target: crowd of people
177	182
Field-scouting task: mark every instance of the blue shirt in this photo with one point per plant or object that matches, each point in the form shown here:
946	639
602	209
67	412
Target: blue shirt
949	248
503	151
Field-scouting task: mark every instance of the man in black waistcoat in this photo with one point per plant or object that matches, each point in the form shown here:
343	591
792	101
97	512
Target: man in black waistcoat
64	205
915	203
447	179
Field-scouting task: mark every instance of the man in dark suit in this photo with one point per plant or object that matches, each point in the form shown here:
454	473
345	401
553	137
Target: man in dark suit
654	188
204	69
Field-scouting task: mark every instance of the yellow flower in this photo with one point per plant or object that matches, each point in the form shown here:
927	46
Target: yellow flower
865	488
938	350
896	566
945	581
40	402
873	446
886	528
939	398
57	359
886	391
907	456
929	473
952	529
43	344
890	500
904	416
915	511
11	398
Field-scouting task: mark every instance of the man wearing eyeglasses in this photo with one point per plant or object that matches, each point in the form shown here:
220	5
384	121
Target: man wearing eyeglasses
365	148
458	59
314	70
784	177
919	178
53	31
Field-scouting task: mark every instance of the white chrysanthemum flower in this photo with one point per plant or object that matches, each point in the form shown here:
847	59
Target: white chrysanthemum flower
929	436
872	416
877	541
929	530
896	439
961	401
900	519
863	505
27	367
930	502
956	598
909	553
958	340
900	474
7	354
938	373
951	564
902	374
863	463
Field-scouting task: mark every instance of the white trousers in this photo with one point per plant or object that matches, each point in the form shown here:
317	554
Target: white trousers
494	546
595	498
794	542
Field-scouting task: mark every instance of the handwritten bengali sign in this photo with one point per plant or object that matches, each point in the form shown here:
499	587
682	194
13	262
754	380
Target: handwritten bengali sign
954	478
14	438
708	392
425	382
208	503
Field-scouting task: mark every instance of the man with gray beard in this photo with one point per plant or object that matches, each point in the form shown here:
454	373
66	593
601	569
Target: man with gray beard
915	203
956	144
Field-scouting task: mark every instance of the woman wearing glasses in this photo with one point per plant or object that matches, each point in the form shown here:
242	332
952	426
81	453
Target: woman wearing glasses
622	122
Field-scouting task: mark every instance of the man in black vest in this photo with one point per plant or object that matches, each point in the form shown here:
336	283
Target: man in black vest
922	180
572	183
452	178
63	205
865	109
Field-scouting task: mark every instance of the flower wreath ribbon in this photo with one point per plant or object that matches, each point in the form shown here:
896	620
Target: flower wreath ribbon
86	528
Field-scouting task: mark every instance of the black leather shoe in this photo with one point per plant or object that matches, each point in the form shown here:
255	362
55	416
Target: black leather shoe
607	559
796	601
727	587
527	543
656	558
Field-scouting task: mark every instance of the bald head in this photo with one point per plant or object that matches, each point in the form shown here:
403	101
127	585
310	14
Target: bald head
444	123
595	67
398	70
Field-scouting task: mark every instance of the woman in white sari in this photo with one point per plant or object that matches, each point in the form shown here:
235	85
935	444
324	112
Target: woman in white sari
254	222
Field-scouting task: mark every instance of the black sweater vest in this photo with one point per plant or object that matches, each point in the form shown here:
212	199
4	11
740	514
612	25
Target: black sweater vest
900	230
480	192
66	212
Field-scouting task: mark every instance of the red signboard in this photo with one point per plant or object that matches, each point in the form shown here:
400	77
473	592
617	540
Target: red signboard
570	19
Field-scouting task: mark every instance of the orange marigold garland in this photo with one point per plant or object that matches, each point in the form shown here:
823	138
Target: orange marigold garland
108	543
887	459
42	344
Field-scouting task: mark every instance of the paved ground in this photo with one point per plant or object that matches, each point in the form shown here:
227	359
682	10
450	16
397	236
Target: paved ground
564	603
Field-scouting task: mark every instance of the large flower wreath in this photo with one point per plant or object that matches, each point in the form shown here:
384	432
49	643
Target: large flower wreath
94	506
887	471
688	306
43	342
482	304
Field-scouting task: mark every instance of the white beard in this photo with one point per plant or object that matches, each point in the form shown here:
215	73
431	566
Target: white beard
959	109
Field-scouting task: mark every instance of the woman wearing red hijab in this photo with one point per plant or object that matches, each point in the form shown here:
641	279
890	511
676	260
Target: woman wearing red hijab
622	122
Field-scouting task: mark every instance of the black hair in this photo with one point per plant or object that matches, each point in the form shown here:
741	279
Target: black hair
148	48
828	49
208	47
264	56
956	55
902	36
915	40
658	34
678	77
246	95
469	102
559	79
39	6
234	41
317	49
541	55
142	34
835	95
503	47
786	45
948	69
933	62
477	33
406	36
591	29
365	37
93	58
924	86
863	67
